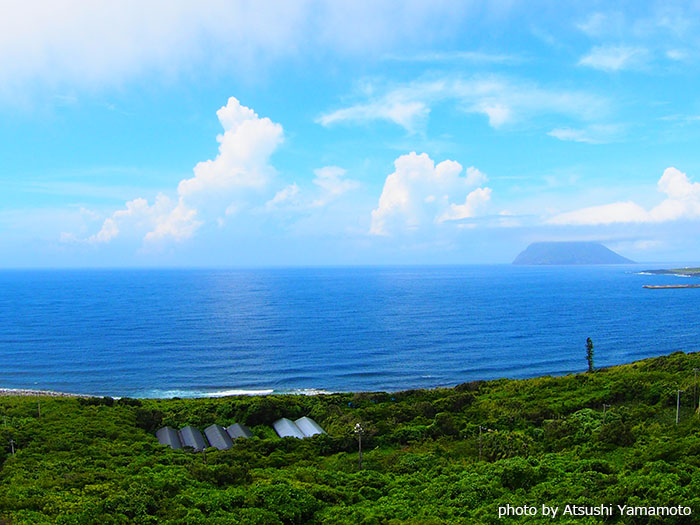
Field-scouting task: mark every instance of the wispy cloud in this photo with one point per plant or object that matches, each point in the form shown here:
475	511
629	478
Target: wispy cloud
595	24
283	197
615	58
84	44
684	119
332	183
593	134
641	39
474	57
677	54
409	114
502	100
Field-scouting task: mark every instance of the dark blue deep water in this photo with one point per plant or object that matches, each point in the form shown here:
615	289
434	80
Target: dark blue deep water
155	333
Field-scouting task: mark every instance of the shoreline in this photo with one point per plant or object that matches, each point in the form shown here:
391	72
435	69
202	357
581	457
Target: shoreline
33	392
669	286
29	392
311	392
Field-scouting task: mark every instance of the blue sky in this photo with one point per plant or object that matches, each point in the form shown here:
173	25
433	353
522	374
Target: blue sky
315	133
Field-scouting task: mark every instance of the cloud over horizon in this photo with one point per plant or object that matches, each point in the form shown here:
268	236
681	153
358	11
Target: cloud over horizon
420	193
682	202
573	110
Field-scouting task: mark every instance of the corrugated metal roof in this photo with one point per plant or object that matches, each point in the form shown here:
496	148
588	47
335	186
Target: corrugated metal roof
169	436
192	437
217	437
309	427
287	428
239	431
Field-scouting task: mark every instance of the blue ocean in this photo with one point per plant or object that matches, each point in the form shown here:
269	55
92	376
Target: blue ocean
164	333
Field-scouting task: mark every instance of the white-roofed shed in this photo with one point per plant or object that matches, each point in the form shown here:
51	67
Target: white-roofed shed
309	427
287	428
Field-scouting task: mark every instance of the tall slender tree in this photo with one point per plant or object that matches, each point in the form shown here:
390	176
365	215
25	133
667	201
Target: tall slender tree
589	354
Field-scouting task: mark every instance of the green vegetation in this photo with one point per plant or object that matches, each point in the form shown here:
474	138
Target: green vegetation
690	272
542	441
589	354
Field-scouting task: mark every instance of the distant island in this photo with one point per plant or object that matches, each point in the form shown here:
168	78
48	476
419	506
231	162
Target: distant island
684	272
680	272
568	253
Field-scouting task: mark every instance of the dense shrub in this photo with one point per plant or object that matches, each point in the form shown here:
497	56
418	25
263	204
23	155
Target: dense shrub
429	456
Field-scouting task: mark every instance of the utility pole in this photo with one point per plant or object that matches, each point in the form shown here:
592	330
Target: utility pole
359	430
678	403
604	412
695	389
480	442
12	446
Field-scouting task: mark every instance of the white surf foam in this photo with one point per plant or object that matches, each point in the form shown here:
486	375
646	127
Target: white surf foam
237	392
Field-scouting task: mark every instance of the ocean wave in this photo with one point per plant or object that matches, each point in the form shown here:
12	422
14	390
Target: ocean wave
187	393
306	392
238	392
156	393
671	274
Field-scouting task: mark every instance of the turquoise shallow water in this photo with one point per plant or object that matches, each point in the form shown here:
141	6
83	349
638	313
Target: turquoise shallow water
206	332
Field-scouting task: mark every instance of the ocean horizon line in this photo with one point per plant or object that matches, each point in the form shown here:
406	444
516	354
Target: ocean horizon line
329	266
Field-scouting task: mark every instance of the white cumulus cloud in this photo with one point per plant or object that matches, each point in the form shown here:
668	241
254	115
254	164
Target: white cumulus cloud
241	164
497	113
682	202
474	202
419	192
179	224
244	152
